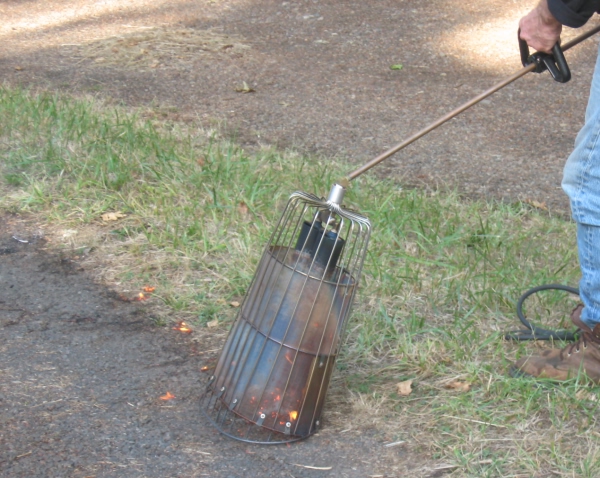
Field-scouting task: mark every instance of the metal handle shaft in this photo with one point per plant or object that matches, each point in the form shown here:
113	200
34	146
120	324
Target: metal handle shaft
462	108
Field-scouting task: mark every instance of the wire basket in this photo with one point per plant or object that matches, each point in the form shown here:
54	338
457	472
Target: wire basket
272	376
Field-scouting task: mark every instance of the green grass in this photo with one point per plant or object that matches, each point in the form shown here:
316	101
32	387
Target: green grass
438	291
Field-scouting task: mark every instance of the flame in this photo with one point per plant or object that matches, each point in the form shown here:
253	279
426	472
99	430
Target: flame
293	415
167	396
141	296
183	327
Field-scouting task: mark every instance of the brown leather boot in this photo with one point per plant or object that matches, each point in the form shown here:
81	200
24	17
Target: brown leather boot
579	359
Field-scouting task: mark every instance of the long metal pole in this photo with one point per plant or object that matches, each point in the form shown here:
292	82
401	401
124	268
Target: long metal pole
463	107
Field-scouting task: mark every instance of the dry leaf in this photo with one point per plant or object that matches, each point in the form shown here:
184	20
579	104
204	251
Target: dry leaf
235	303
536	204
245	88
167	396
201	161
112	216
243	209
149	289
19	68
459	386
213	323
404	388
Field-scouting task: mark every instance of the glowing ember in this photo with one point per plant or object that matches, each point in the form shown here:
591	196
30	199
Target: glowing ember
183	327
167	396
141	296
293	415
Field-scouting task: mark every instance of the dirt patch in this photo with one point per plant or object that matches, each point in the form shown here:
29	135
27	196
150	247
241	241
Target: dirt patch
158	47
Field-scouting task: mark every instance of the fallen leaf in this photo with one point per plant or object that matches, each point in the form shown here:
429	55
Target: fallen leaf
536	204
167	396
19	68
113	216
404	388
243	208
234	303
396	67
201	161
245	88
213	323
149	289
459	386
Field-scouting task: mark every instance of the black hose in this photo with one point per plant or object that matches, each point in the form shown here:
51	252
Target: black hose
539	333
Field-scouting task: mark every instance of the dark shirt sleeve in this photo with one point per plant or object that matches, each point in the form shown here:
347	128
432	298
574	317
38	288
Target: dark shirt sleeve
573	13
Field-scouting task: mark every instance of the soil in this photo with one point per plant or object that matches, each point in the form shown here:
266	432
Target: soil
83	369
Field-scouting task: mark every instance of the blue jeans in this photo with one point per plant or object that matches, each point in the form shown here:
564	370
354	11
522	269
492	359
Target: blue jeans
581	182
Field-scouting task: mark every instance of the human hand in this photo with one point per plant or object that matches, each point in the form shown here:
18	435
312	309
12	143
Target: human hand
540	29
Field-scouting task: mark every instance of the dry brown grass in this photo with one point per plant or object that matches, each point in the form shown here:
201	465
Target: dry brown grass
155	47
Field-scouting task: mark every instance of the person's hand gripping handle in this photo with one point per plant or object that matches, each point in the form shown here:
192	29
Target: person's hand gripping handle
541	31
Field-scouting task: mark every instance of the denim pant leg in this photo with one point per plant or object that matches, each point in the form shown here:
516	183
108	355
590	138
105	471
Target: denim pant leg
588	242
581	182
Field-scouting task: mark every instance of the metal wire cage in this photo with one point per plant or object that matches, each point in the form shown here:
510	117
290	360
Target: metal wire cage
271	379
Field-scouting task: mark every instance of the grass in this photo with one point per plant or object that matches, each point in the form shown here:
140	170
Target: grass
438	291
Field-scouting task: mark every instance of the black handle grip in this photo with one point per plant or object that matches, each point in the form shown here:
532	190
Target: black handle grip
556	63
